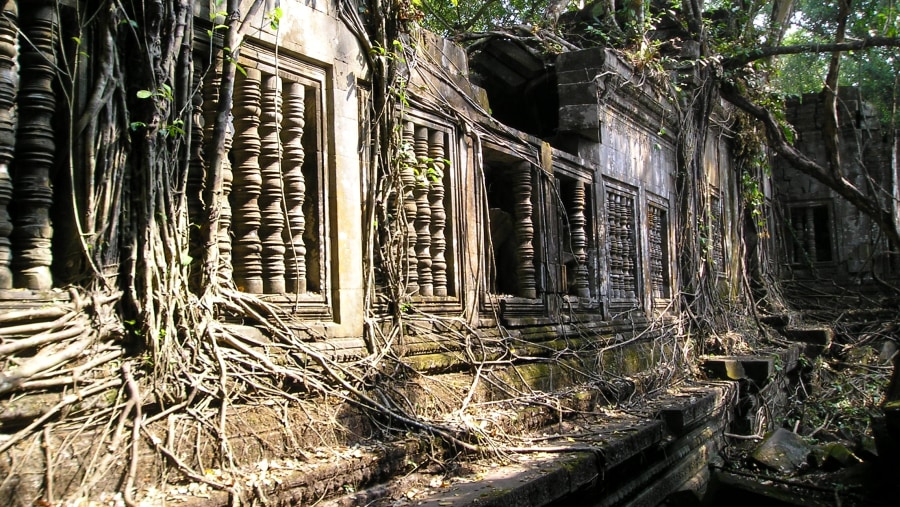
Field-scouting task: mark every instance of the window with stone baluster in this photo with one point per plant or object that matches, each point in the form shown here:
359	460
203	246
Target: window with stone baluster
578	247
621	239
273	234
716	245
429	182
810	233
658	252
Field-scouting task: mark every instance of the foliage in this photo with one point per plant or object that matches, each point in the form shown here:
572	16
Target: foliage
874	70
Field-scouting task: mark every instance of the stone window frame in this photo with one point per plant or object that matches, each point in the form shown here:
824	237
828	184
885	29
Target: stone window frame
290	66
792	245
661	204
518	307
453	208
581	171
619	302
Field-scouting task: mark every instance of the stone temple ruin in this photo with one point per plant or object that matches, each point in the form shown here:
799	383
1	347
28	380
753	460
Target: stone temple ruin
547	232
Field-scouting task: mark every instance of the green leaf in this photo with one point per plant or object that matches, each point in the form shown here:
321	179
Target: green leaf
144	94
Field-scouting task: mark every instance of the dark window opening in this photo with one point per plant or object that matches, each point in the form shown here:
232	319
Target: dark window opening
811	234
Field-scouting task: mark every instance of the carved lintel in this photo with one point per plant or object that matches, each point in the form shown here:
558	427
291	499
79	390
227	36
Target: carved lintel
294	186
35	148
524	229
247	183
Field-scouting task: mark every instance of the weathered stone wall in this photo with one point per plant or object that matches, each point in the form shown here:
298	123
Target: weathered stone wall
824	235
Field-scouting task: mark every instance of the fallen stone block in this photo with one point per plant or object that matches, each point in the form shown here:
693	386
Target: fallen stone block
784	451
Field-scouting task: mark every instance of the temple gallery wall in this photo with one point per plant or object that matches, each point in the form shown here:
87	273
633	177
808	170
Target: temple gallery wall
532	219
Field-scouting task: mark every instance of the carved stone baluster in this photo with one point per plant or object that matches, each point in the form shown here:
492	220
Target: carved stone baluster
247	183
196	170
809	235
628	259
615	245
715	236
423	213
294	186
524	231
577	223
270	204
438	214
210	104
408	183
35	147
9	82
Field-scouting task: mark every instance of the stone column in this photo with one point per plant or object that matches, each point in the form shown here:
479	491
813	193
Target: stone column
408	184
294	186
438	214
423	213
9	83
578	238
270	202
247	183
524	229
35	148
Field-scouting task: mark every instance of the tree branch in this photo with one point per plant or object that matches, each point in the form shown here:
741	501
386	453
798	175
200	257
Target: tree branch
812	47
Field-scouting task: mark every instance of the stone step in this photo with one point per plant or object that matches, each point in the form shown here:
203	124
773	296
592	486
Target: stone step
755	368
812	335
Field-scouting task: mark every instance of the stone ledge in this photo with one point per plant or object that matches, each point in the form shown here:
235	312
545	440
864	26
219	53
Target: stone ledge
630	449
